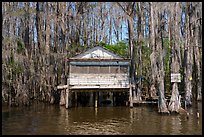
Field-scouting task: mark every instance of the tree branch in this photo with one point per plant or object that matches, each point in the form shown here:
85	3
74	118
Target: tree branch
123	8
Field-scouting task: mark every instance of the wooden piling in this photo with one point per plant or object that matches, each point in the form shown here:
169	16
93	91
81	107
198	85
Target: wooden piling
130	96
67	97
134	92
91	99
113	98
197	114
96	99
76	101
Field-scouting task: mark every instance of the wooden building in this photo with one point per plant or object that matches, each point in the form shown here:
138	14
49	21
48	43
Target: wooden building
97	70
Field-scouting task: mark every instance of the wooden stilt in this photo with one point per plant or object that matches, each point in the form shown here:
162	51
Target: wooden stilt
76	101
111	97
91	99
130	97
134	93
96	99
67	98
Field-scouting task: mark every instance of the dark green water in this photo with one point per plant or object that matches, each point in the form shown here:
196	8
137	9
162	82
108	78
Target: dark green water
41	119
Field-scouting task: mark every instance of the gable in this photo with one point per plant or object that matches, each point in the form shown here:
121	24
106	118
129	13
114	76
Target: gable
97	53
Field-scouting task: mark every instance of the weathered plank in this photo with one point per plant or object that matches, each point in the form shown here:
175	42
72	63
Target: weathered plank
84	87
102	79
175	77
130	96
98	87
62	86
67	98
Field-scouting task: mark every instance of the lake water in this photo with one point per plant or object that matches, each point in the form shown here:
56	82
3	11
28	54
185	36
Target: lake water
44	119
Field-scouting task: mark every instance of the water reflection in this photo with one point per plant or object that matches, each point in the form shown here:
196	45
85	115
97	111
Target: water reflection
96	111
142	120
176	125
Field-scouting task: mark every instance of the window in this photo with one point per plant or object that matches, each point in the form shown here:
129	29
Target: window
114	69
93	69
104	69
123	69
79	69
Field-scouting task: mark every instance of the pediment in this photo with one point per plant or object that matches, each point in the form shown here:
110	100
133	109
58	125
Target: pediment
97	53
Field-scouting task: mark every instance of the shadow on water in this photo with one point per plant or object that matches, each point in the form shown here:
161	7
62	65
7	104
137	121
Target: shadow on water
41	119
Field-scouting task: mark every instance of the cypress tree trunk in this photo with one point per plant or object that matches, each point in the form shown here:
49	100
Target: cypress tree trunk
162	107
188	61
174	103
197	53
152	56
140	38
132	65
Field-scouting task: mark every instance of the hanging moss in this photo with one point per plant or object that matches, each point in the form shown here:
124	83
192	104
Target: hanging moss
20	46
11	60
17	69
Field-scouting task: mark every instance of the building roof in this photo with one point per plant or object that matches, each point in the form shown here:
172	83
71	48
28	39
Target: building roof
97	53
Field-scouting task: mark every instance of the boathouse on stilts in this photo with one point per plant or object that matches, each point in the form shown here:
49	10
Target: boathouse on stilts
98	77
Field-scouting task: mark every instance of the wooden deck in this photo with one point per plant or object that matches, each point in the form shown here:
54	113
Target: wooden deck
98	87
90	87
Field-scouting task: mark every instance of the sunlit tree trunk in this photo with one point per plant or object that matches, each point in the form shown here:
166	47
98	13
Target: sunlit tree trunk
38	26
139	45
110	31
197	48
174	103
48	26
157	61
27	28
128	9
188	60
152	56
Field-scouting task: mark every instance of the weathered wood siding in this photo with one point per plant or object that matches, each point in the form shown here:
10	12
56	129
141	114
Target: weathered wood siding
99	76
98	68
102	80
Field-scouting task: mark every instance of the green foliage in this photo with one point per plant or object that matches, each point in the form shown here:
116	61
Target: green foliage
11	60
20	46
75	49
92	5
182	58
17	69
14	67
145	59
181	71
120	48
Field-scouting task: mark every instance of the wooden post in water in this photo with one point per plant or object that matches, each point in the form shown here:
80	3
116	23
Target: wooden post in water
76	101
67	70
67	97
67	94
130	96
113	98
91	99
96	99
